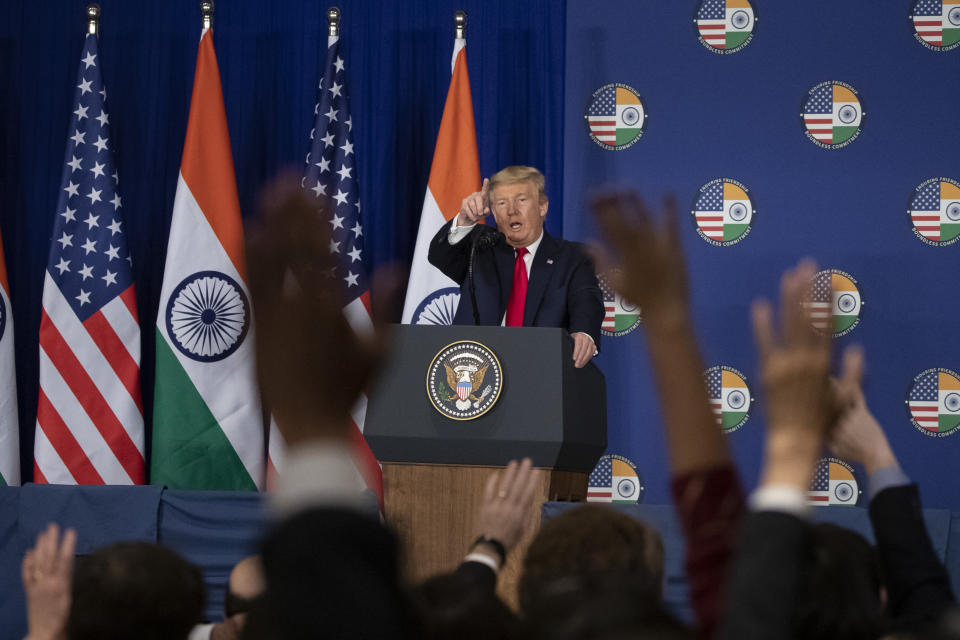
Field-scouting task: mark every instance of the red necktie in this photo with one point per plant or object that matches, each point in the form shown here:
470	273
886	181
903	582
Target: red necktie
518	295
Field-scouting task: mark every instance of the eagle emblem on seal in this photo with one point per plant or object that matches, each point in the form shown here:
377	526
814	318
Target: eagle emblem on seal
464	380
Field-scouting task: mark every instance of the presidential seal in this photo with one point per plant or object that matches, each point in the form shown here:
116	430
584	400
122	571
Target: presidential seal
464	380
834	303
832	114
934	211
620	317
615	117
615	479
725	26
834	483
208	316
723	212
730	397
936	24
933	401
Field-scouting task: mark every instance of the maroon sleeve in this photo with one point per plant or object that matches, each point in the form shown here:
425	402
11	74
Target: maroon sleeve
709	506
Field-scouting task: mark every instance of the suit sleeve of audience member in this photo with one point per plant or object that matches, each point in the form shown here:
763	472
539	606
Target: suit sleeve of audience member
709	504
764	579
584	299
451	259
918	586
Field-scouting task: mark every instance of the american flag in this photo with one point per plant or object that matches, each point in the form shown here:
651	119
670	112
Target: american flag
89	412
924	400
925	210
331	173
609	306
819	492
714	379
600	482
712	23
821	300
928	21
818	113
602	116
709	211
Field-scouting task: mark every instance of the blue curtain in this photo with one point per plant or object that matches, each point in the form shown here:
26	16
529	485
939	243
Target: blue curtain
398	64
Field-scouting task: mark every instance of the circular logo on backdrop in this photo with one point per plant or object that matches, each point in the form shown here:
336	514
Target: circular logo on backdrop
723	212
933	401
834	483
208	316
620	317
935	211
615	479
464	380
834	302
832	114
936	24
725	26
616	116
730	397
438	308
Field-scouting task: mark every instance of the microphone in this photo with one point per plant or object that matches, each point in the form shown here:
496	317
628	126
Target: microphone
484	238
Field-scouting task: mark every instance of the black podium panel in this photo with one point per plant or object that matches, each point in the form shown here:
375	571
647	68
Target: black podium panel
547	410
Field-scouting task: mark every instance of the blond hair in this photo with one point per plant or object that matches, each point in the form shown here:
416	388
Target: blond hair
519	173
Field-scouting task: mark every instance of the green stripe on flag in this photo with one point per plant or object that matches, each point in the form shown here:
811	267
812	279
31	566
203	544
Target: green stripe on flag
732	418
949	231
842	323
190	451
624	321
948	422
736	39
626	135
733	231
841	134
3	482
949	37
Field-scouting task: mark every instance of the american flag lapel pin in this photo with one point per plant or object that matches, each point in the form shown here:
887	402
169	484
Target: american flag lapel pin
549	260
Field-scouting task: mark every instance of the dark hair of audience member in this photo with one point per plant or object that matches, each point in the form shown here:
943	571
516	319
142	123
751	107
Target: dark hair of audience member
587	542
134	590
454	607
840	587
603	607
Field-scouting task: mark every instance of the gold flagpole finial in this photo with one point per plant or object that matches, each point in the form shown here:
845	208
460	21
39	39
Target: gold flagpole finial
460	22
206	10
333	20
93	18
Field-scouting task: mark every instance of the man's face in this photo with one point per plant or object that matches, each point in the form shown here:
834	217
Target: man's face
519	212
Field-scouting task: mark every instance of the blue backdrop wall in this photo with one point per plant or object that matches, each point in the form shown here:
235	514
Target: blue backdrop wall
398	62
715	115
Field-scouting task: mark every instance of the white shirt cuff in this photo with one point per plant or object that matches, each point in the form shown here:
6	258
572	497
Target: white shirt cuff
318	474
458	233
783	498
483	558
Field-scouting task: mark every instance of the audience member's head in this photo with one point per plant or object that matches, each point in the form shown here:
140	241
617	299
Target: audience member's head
245	586
134	590
454	607
591	544
840	587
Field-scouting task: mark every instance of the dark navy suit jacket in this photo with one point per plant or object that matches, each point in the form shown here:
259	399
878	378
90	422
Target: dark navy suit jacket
562	291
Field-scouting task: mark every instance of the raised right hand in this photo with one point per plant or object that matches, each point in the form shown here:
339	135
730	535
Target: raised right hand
475	206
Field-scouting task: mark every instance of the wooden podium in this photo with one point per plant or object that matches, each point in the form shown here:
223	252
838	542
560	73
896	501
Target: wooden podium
435	467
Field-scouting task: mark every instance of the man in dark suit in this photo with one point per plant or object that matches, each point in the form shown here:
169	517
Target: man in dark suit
527	278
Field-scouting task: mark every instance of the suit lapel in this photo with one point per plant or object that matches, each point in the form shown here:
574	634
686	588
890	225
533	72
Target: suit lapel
540	273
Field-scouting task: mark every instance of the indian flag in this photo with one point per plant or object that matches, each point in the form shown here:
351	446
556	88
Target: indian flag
207	420
432	297
847	112
951	24
734	400
9	422
846	302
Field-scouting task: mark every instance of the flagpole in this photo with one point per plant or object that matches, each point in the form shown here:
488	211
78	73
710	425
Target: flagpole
93	19
333	20
206	10
460	24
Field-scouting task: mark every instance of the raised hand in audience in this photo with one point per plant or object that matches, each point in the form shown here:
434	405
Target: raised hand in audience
504	514
857	436
794	363
47	572
312	365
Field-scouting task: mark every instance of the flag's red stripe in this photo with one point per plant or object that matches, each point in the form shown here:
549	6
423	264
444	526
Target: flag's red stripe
926	22
116	354
90	398
368	466
63	442
935	218
599	494
819	498
38	476
129	299
817	120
